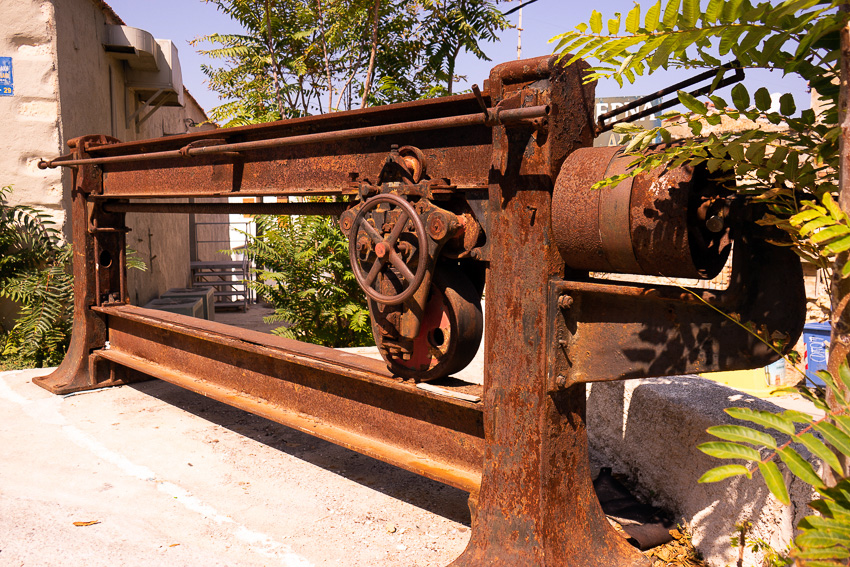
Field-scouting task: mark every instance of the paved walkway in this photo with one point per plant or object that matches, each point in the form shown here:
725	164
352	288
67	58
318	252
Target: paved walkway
171	478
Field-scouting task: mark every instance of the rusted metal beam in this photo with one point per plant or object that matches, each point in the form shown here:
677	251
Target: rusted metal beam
322	209
344	398
491	118
457	155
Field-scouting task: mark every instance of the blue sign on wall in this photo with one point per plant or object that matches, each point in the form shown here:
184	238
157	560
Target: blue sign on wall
7	84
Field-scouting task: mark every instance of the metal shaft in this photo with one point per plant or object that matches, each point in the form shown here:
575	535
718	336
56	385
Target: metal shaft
323	209
491	118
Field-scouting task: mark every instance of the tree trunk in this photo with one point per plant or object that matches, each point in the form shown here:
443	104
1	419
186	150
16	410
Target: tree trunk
840	292
273	55
452	60
327	61
345	87
368	85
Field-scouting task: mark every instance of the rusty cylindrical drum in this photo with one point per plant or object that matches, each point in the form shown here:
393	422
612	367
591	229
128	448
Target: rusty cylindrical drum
668	222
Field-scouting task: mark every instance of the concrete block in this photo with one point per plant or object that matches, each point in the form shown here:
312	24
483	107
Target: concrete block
190	306
649	429
206	295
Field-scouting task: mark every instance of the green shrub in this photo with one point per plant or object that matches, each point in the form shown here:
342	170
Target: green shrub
304	272
42	329
34	274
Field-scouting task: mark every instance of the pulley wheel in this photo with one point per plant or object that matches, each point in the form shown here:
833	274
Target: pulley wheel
451	330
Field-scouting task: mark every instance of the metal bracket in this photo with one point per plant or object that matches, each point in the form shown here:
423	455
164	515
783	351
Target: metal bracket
145	106
558	375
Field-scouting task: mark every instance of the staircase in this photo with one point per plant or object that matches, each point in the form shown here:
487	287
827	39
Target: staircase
226	276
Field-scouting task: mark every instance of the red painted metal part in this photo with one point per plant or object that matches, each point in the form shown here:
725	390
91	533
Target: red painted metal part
486	187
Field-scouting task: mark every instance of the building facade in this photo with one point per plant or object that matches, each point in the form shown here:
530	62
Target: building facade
73	68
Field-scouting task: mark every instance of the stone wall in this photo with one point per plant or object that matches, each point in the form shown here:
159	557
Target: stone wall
30	118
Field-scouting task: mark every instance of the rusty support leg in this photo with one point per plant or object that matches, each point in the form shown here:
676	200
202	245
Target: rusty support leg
92	278
536	506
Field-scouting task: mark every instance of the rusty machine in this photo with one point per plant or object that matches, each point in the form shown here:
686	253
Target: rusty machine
444	201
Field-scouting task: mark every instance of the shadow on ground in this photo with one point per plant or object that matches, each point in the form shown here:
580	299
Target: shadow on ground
400	484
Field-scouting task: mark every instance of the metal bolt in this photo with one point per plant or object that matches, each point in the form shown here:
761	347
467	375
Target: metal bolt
382	249
561	381
565	301
715	223
436	227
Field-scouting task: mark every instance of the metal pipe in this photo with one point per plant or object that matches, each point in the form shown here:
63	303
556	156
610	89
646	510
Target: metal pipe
319	209
494	117
671	89
601	126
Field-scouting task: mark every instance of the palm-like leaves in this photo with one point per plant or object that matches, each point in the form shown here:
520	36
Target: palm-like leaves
824	540
45	294
33	274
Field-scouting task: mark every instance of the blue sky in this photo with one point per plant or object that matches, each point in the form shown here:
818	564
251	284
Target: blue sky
183	20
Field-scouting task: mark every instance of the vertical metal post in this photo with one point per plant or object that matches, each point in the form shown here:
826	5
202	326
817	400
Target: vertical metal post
536	506
193	238
89	331
519	36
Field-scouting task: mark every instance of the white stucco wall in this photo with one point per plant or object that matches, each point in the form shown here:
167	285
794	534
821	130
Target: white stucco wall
67	85
30	119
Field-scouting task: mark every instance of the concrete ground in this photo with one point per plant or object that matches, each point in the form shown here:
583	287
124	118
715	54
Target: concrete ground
168	477
172	478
